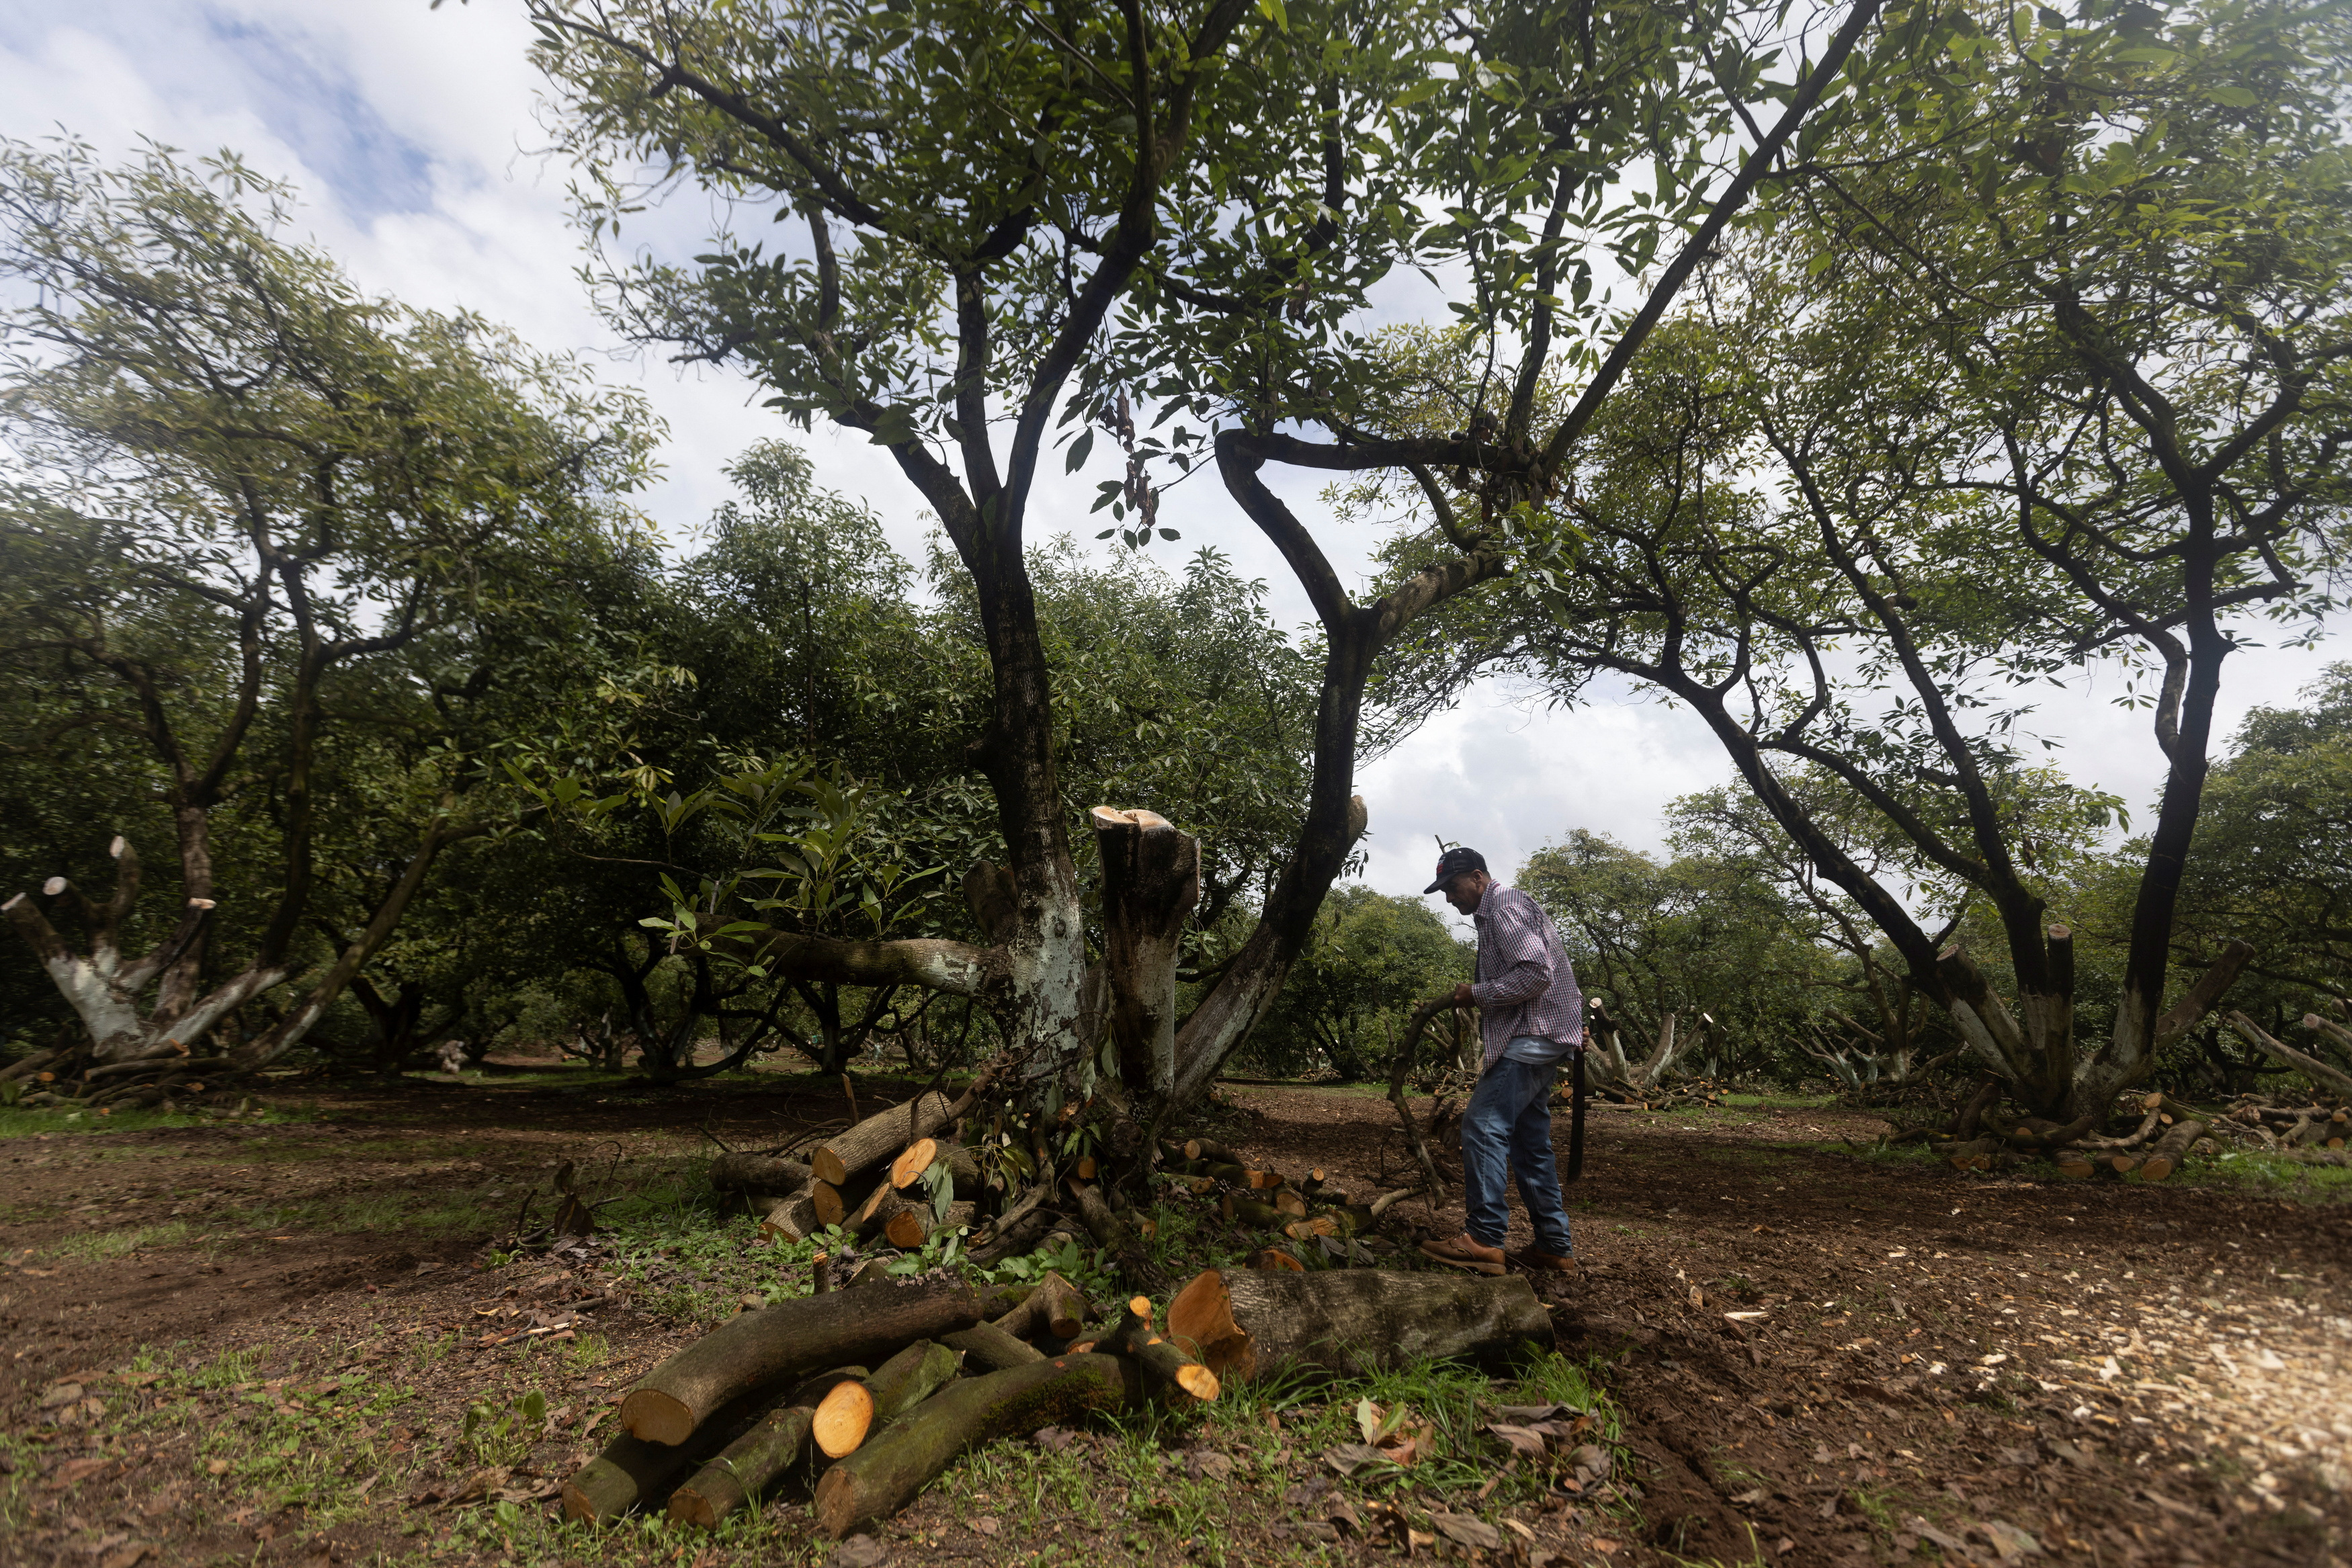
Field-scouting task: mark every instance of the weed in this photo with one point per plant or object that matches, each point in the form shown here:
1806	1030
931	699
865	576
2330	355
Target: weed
96	1246
495	1436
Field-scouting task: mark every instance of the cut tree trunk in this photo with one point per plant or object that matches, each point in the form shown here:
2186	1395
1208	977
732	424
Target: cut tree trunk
990	1347
1248	1324
1151	881
889	1473
1015	1230
848	1415
840	1205
761	1174
963	1167
878	1137
628	1471
914	1225
1112	1232
632	1470
2171	1150
752	1462
791	1218
790	1338
1054	1307
1177	1376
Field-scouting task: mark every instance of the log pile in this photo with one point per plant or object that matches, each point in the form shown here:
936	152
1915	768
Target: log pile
741	1411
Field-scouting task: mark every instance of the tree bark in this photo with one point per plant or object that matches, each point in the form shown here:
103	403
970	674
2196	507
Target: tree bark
990	1347
850	1411
752	1463
891	1471
794	1218
1054	1307
789	1339
761	1174
1151	881
1246	1323
878	1137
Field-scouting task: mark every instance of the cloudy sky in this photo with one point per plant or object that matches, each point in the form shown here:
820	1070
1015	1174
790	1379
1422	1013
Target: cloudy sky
412	134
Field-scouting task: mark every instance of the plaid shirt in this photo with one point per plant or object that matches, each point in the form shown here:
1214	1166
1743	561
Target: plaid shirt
1525	983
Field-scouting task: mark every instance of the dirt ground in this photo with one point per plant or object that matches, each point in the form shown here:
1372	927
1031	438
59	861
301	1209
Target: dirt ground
259	1341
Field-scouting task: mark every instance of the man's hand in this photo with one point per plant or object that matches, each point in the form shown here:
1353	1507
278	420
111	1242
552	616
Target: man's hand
1465	997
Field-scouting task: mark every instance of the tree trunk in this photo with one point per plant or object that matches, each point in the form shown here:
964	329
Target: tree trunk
990	1347
633	1470
878	1137
852	1410
963	1167
761	1174
1151	881
1246	1323
752	1463
790	1338
1054	1307
891	1471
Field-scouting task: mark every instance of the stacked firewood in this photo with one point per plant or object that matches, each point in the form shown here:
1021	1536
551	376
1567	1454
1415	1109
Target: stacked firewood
877	1389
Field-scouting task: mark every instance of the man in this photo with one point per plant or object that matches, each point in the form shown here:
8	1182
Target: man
1530	1016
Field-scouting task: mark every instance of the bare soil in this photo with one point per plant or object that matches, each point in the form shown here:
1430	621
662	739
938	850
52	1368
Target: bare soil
259	1343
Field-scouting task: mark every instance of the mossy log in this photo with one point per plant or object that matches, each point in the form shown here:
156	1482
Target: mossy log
1246	1322
849	1414
750	1464
891	1471
792	1339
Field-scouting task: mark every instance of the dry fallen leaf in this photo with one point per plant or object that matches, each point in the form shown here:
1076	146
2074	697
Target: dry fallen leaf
1349	1457
1523	1441
1463	1529
2010	1541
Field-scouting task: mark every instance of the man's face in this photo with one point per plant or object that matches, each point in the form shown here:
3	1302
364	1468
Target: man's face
1464	892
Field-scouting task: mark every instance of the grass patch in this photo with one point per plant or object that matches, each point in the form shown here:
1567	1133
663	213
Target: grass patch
98	1246
2258	1170
26	1122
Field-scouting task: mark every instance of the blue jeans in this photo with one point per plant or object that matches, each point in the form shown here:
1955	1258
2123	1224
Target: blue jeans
1508	1129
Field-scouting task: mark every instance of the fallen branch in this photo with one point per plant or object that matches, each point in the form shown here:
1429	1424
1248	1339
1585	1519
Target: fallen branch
2310	1067
1247	1324
790	1338
889	1472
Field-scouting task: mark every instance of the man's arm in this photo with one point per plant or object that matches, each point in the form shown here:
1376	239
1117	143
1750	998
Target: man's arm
1526	960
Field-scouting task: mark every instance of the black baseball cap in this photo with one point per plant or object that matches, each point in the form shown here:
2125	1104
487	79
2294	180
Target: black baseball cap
1452	863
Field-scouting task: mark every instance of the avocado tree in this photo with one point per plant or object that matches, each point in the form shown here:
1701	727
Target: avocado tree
267	536
2048	364
983	229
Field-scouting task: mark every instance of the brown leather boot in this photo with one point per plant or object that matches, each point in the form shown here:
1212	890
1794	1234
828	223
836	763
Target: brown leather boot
1541	1262
1465	1251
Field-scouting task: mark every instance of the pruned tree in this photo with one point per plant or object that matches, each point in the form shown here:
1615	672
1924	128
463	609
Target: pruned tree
1007	223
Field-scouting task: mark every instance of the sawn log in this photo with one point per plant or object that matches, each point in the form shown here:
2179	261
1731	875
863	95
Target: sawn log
878	1137
792	1339
889	1472
1246	1322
